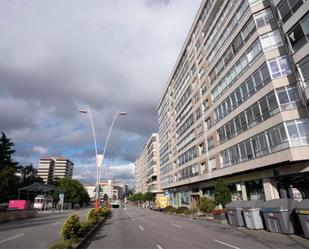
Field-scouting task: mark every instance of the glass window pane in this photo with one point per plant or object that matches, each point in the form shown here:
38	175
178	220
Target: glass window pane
293	94
303	127
265	73
305	24
284	10
249	149
250	85
283	97
284	65
304	70
264	108
292	130
244	90
250	117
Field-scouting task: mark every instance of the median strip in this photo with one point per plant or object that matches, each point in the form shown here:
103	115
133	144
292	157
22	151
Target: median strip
14	237
223	243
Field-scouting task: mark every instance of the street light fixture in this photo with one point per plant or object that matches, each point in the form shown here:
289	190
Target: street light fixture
100	158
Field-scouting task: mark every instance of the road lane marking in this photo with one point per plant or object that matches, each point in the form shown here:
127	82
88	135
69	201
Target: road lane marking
129	215
14	237
159	247
223	243
56	223
176	225
141	227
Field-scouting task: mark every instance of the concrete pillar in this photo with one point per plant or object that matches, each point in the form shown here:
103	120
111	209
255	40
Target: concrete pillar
244	196
270	189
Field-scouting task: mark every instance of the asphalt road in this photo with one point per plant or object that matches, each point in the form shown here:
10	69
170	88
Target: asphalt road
40	232
134	227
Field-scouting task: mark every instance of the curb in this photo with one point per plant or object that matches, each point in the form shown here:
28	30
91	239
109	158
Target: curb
83	241
203	218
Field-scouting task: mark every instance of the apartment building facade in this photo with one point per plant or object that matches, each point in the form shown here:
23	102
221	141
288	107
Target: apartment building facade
147	168
51	168
234	107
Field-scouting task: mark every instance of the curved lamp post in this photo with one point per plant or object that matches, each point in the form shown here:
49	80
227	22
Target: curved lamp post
100	158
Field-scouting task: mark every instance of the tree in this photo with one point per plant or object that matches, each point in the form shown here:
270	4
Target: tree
28	175
8	184
73	190
105	197
8	168
222	193
148	196
6	152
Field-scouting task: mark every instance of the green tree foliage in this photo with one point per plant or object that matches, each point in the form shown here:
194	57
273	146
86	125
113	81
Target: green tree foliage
105	197
28	175
206	205
136	197
73	190
92	216
71	227
8	184
222	193
8	169
6	152
148	196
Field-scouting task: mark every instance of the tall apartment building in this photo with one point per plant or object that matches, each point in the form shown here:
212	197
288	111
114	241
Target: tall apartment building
51	168
147	168
233	106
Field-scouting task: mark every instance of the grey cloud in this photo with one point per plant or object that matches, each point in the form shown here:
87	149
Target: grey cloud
58	56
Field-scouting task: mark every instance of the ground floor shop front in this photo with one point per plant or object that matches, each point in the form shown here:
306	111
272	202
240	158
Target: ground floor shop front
281	181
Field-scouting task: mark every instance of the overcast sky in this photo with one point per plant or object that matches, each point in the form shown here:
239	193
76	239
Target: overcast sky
57	57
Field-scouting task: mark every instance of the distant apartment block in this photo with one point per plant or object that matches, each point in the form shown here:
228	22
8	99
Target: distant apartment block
147	168
113	190
236	103
51	168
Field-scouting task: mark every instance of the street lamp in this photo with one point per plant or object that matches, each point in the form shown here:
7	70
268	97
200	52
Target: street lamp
100	158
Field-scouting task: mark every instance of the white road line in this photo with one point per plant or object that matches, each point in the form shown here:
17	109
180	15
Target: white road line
223	243
176	225
141	227
56	223
159	247
14	237
129	215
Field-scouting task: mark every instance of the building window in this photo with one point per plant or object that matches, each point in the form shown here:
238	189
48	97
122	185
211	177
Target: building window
303	69
208	123
271	40
212	164
201	148
298	35
279	67
298	132
263	17
210	143
287	7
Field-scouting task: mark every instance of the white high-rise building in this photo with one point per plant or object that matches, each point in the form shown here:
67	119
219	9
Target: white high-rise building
51	168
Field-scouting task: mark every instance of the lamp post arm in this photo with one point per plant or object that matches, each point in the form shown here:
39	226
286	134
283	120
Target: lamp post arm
106	142
93	132
109	133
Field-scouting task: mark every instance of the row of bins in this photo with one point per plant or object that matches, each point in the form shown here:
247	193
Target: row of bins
280	215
